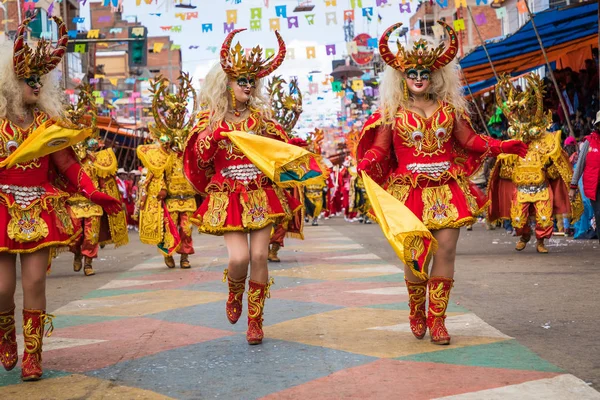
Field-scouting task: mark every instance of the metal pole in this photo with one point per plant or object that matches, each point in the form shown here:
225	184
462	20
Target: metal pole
65	59
556	87
3	7
476	105
19	12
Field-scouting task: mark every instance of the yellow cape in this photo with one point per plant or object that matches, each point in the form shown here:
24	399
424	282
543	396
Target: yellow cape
285	164
48	138
408	236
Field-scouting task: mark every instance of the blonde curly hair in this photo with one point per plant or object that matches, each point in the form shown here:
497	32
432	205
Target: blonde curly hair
51	99
214	96
445	86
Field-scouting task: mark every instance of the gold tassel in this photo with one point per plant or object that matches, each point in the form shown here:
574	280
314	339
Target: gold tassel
406	94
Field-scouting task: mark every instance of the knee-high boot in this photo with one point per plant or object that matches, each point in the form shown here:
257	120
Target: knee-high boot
257	293
233	308
33	331
417	292
9	354
439	294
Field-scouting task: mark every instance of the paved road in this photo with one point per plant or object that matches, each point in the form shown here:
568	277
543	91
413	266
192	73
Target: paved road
335	325
548	302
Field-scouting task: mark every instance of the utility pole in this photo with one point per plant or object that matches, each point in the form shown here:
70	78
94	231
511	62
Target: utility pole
65	59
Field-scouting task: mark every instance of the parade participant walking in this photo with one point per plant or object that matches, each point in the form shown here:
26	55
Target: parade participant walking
123	186
286	107
588	166
241	202
101	167
315	195
410	145
169	199
534	186
33	211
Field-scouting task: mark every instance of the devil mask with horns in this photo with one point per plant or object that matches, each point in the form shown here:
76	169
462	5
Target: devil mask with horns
172	122
30	65
418	64
246	69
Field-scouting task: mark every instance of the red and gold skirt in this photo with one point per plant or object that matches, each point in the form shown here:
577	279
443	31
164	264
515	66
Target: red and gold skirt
35	217
243	209
440	204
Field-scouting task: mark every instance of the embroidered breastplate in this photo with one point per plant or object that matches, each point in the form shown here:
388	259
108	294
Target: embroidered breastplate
426	136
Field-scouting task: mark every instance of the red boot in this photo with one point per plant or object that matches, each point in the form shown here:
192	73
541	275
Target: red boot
439	294
416	302
233	308
257	293
33	331
9	354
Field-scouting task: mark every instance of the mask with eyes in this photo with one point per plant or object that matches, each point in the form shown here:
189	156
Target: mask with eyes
245	81
418	74
524	110
34	81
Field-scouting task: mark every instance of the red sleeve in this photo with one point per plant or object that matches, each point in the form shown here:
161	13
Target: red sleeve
471	140
379	150
275	131
205	146
67	164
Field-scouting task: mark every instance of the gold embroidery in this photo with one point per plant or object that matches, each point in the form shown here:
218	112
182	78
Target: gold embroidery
151	216
83	208
217	210
471	200
64	219
413	248
543	213
532	197
255	210
26	225
94	230
117	223
106	163
438	210
439	297
233	153
426	135
399	191
507	166
518	214
203	144
177	184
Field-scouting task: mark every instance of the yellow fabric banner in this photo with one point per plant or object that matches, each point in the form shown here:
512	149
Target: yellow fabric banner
408	236
285	164
48	138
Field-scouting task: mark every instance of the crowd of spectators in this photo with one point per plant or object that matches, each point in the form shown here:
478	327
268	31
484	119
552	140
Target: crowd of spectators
580	93
579	90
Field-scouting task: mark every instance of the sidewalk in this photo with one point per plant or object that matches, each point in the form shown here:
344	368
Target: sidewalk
335	327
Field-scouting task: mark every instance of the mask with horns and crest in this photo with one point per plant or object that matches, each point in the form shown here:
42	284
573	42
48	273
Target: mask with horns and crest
84	114
172	122
238	65
286	104
524	110
29	64
422	56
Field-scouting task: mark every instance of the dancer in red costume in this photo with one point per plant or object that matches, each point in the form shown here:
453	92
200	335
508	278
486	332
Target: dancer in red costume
33	210
241	202
421	147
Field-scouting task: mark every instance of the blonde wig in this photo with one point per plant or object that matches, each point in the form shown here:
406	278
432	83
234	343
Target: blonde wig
214	96
445	86
50	101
